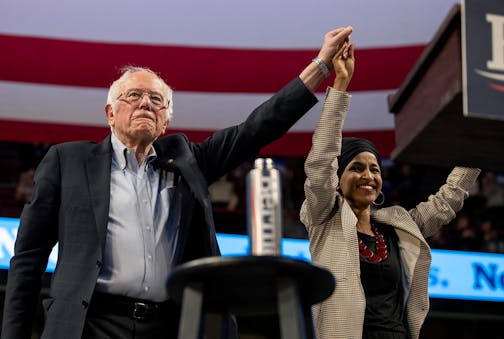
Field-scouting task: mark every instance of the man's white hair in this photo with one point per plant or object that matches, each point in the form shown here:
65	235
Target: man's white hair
115	88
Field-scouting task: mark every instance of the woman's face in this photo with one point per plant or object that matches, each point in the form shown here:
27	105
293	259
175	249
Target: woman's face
361	181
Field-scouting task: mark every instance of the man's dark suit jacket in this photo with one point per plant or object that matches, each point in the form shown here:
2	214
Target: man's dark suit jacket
70	206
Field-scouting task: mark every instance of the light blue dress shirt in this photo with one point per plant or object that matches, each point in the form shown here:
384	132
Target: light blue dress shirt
140	239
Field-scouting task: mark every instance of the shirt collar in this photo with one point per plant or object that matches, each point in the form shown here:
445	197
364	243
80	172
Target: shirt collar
120	153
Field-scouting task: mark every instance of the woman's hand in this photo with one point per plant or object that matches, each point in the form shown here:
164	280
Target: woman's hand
333	41
343	63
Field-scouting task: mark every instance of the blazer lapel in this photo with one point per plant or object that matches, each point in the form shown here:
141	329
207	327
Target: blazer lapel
399	219
349	224
98	173
175	155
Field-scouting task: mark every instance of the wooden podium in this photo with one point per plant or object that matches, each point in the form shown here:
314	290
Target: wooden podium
430	127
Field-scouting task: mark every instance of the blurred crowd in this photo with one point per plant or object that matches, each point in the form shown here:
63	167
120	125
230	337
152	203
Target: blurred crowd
479	226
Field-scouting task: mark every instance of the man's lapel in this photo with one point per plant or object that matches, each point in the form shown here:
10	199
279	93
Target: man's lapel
175	155
98	173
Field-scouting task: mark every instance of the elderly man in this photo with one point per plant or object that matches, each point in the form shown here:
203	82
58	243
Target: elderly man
125	211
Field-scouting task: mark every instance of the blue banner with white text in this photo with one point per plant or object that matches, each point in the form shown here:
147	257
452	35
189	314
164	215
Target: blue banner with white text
454	274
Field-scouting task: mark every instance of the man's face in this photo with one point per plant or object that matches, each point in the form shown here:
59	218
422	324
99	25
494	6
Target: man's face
139	117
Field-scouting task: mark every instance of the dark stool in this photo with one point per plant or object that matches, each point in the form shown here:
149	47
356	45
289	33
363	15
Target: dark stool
250	285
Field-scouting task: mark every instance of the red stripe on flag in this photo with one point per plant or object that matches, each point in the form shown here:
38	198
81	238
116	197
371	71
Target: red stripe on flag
96	64
293	144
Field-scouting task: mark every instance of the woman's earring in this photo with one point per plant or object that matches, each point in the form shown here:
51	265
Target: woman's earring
382	200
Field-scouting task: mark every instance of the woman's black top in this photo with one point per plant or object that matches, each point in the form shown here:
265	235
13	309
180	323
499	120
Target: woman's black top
384	317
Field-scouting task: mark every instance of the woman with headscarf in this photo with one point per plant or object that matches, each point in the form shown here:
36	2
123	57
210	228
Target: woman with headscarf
379	257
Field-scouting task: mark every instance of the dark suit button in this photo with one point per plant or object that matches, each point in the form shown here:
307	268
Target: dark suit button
98	263
85	304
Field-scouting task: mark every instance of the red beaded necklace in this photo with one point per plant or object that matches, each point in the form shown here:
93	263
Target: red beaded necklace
381	248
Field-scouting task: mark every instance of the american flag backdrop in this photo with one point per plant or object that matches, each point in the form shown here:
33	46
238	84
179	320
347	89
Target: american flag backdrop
222	58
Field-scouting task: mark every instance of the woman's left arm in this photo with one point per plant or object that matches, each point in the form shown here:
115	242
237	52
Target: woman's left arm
442	207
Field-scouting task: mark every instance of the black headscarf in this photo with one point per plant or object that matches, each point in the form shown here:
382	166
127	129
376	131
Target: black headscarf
350	148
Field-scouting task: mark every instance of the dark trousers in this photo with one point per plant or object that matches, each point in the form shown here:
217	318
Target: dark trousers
114	317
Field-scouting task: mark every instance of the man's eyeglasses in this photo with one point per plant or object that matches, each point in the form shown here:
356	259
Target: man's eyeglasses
134	96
